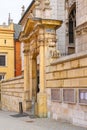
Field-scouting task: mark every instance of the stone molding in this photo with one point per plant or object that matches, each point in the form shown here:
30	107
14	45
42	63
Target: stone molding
70	58
13	79
81	29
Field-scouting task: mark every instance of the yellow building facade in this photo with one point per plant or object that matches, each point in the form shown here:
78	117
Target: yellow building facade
6	51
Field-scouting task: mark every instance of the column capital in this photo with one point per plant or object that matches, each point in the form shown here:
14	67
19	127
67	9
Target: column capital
26	48
41	42
26	51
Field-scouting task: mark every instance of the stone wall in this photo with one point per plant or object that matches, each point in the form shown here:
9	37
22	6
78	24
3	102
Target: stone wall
58	12
81	11
12	93
81	25
66	82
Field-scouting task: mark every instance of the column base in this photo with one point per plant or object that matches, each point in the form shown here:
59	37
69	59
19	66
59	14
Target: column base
42	105
27	105
26	102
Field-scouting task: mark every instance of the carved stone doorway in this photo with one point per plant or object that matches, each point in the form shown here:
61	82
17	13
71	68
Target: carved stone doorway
39	37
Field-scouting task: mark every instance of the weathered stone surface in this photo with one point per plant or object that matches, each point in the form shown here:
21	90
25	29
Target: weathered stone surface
42	105
12	94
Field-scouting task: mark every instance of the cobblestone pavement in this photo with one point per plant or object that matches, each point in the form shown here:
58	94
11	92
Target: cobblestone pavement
26	123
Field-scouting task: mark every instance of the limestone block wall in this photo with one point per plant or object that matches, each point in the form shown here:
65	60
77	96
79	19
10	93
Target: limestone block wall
68	76
12	93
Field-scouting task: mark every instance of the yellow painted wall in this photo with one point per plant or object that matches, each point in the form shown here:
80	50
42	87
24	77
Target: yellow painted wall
7	33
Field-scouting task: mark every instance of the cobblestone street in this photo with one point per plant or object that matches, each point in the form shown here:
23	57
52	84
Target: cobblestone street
8	122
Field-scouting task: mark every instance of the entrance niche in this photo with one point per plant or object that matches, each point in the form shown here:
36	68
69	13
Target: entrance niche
35	77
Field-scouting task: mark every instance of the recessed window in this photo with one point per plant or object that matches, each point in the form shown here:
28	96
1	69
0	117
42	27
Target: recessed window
56	95
69	95
2	60
72	25
2	76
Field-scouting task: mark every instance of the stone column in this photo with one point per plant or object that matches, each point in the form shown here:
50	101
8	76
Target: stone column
41	97
34	78
30	75
42	65
26	77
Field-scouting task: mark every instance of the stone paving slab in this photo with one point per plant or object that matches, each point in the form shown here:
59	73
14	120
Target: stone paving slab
26	123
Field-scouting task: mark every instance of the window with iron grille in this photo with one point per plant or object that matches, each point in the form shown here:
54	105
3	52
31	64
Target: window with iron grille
69	95
56	94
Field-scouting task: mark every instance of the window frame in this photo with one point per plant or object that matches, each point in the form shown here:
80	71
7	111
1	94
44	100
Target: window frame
81	90
2	54
74	97
3	76
60	95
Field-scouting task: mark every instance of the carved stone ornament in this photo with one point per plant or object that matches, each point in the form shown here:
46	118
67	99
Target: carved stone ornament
54	54
81	29
85	29
37	2
26	51
47	2
52	44
78	32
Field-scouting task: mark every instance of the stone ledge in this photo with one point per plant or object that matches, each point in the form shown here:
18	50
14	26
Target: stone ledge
13	79
70	57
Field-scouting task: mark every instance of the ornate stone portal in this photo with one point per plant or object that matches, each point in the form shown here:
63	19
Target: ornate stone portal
39	37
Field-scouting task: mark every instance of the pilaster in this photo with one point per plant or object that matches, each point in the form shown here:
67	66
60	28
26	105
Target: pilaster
41	97
26	97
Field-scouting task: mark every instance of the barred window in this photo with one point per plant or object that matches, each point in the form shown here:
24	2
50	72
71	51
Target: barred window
69	95
56	95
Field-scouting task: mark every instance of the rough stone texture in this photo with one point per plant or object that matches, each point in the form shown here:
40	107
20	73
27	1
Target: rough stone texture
12	93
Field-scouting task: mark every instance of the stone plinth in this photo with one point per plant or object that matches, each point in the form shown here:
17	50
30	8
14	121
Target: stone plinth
42	104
